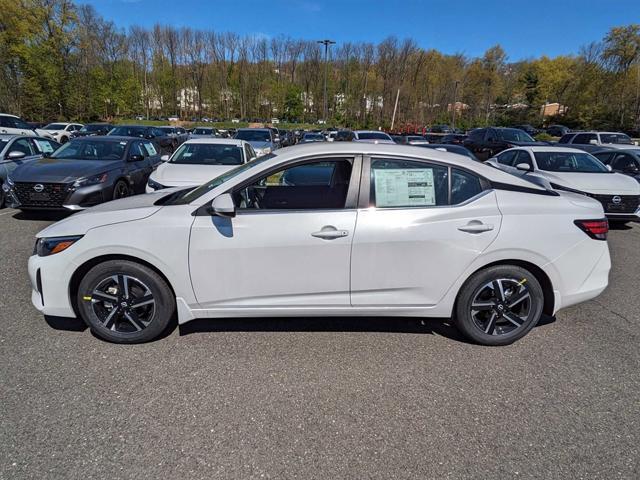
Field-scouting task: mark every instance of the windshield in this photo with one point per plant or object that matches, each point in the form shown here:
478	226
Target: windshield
168	129
207	154
129	131
210	185
254	135
202	131
92	128
313	136
91	150
615	138
373	136
55	126
569	162
514	135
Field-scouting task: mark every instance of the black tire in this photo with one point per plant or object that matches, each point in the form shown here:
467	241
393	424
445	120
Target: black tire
3	197
63	140
128	324
121	190
508	303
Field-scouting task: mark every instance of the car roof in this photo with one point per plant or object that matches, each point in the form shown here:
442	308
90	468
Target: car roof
218	141
549	148
265	129
410	151
108	138
10	136
370	131
8	115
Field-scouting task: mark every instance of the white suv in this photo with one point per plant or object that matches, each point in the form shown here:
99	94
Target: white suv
10	124
62	132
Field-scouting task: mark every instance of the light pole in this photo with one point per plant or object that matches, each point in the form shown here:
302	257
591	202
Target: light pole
326	44
455	101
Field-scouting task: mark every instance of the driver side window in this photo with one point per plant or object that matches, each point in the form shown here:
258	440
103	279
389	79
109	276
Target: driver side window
311	186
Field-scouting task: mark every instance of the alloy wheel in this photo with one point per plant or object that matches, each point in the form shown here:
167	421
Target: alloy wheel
123	303
121	190
501	306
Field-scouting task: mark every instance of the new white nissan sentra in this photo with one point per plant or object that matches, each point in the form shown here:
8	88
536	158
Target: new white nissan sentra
329	229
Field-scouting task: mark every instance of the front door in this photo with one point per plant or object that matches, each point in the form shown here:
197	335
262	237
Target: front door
419	233
289	244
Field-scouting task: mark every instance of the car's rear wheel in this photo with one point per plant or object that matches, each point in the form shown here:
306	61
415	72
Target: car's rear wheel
120	190
125	302
499	305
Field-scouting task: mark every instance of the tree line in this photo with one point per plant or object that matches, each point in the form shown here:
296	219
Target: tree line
61	60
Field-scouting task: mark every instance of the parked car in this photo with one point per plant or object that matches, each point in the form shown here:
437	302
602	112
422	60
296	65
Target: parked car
198	161
478	249
453	138
410	139
82	173
16	150
312	137
573	170
557	130
344	136
372	136
441	129
484	143
203	132
12	125
166	143
626	162
530	129
261	139
178	133
62	132
445	147
593	141
93	129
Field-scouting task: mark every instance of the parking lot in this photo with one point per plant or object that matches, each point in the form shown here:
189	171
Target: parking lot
336	398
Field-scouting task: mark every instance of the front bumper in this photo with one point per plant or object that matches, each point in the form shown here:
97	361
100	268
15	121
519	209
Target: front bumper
50	280
67	199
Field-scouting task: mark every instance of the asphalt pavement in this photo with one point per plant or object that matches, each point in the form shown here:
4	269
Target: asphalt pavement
320	398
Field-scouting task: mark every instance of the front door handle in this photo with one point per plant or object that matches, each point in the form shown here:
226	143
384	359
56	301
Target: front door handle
476	227
330	232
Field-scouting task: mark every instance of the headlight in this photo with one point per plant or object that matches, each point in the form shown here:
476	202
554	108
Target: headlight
155	185
49	246
9	182
266	150
93	180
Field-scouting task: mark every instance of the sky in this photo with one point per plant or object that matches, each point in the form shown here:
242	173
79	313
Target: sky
525	29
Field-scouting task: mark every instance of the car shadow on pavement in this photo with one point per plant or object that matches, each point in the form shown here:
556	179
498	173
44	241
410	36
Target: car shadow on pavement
65	323
42	215
620	226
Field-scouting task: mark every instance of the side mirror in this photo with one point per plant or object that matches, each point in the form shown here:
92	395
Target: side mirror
593	141
15	155
223	206
136	158
609	168
149	136
524	167
164	158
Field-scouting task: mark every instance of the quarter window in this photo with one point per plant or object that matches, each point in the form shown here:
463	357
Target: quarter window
464	186
311	186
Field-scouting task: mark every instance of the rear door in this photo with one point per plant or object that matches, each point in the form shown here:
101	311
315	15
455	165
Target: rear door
420	226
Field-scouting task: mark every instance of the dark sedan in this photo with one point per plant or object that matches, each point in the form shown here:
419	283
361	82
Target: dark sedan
626	162
82	173
446	147
93	129
485	143
167	143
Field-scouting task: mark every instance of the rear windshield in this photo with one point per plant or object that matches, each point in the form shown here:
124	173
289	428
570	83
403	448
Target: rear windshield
254	135
514	135
129	131
202	131
55	126
373	136
569	162
615	138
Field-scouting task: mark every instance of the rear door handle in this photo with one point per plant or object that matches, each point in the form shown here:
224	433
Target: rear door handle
330	232
476	227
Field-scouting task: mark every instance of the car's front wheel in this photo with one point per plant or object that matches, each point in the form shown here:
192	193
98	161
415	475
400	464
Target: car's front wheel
125	302
499	305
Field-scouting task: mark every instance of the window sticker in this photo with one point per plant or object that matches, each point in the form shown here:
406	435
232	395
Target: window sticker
44	146
151	150
412	187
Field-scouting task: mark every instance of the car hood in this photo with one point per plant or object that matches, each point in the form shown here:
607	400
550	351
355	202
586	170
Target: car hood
57	170
613	183
171	174
117	211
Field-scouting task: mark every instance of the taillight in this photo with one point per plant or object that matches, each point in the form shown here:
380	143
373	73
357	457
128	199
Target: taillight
596	229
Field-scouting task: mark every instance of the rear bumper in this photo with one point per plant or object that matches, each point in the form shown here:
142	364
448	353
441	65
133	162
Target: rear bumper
628	217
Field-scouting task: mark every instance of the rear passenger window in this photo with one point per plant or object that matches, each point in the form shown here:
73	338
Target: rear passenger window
566	137
464	185
584	138
400	183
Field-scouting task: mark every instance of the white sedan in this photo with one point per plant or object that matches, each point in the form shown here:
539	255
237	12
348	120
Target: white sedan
577	171
199	160
329	229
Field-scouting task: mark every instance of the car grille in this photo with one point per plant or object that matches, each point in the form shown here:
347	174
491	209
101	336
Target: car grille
627	203
52	194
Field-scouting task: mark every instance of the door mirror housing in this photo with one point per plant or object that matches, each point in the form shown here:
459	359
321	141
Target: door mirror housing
15	155
136	158
524	167
164	158
223	206
609	168
593	141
